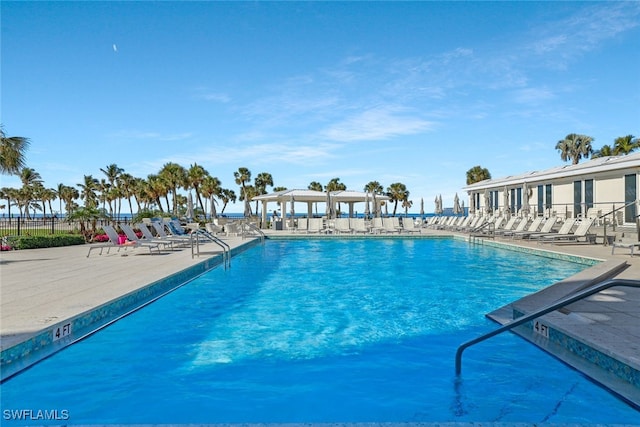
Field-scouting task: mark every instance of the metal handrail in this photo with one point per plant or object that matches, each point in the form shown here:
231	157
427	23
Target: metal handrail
253	227
605	240
558	304
226	249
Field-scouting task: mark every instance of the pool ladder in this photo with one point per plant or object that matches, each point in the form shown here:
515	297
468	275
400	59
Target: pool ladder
541	312
195	245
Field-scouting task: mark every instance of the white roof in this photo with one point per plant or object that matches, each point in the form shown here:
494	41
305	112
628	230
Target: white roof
601	164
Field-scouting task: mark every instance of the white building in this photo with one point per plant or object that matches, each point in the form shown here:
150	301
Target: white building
600	185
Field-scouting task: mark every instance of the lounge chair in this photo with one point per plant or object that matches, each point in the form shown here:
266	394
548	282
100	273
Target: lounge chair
302	225
508	226
532	228
391	225
581	231
148	235
133	237
342	226
114	242
546	228
358	225
625	243
408	226
160	231
376	225
566	227
316	226
213	228
112	234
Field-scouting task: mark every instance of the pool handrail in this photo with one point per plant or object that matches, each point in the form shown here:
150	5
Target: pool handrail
541	312
226	249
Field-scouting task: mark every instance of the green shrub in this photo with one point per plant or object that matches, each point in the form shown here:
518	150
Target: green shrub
33	242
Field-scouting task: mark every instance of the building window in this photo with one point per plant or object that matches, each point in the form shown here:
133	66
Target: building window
577	198
588	193
630	195
540	199
547	196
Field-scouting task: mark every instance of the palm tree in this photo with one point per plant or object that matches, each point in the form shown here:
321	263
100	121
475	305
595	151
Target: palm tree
88	191
242	176
176	177
227	196
604	151
315	186
126	183
154	189
477	174
625	145
335	185
261	182
211	188
574	147
10	194
397	192
374	187
68	194
12	153
406	204
113	173
195	177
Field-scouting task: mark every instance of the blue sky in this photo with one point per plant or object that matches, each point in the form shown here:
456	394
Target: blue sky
411	92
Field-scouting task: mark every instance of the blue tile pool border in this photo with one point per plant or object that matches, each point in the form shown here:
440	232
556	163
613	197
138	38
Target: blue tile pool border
21	356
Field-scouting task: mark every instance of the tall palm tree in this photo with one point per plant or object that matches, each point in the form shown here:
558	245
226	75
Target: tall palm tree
12	153
211	188
195	177
625	145
68	194
315	186
88	191
227	196
126	183
176	177
604	151
374	187
242	176
154	189
10	194
261	181
477	174
574	147
397	192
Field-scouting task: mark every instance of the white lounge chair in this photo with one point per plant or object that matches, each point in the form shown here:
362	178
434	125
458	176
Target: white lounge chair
133	237
508	226
581	231
376	225
148	236
316	226
546	228
358	225
160	231
342	226
114	239
408	226
625	243
302	225
532	228
391	224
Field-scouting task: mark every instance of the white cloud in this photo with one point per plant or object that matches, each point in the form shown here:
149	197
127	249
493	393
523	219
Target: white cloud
376	124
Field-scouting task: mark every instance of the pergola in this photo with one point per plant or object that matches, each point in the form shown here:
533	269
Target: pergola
311	196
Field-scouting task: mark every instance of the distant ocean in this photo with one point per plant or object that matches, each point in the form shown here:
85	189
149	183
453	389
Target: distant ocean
237	215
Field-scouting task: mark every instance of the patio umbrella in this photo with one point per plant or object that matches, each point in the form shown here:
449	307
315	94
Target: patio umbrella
376	207
487	202
329	207
439	209
422	208
462	207
189	214
214	214
293	210
472	203
505	199
525	199
456	205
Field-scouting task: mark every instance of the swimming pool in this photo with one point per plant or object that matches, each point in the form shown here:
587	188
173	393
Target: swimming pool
323	331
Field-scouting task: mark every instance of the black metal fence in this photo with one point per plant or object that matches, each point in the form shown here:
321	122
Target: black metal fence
45	226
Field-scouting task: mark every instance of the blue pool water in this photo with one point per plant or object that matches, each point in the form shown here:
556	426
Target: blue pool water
324	331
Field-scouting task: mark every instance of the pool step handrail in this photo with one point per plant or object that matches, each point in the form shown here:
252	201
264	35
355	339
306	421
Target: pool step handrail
253	228
195	243
541	312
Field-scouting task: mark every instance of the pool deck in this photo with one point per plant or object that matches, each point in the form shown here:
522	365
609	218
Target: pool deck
43	287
